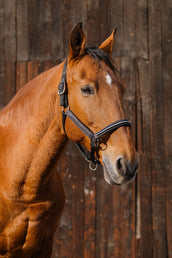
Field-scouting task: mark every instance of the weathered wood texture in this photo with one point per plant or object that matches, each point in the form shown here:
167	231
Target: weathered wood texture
101	221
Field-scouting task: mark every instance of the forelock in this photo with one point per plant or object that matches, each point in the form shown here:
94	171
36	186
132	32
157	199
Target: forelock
100	55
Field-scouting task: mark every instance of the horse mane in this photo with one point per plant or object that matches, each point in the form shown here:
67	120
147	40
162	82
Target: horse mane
100	55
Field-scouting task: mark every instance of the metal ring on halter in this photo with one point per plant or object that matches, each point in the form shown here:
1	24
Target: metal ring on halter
91	168
63	109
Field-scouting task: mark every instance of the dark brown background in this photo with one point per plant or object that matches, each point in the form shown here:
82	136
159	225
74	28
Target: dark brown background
132	220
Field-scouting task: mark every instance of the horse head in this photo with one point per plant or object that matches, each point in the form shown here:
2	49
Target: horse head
95	96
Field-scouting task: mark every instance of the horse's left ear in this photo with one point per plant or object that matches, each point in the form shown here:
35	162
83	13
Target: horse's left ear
77	42
107	45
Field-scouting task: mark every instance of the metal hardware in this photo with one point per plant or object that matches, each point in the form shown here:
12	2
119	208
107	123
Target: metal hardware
62	88
93	168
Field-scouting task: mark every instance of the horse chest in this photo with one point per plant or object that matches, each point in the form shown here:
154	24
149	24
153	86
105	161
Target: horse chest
30	227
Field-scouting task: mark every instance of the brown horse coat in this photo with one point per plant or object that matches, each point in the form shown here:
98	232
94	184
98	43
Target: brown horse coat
32	140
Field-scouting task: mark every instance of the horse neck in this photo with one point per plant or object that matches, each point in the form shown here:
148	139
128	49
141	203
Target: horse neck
35	134
42	111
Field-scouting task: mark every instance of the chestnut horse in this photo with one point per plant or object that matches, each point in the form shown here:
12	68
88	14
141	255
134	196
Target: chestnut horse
34	130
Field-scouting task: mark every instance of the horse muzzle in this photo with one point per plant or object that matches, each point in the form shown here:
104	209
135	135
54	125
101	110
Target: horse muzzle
119	172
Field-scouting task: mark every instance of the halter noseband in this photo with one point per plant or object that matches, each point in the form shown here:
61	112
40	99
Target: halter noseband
94	137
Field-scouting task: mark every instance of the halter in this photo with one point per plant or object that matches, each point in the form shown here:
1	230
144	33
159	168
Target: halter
94	137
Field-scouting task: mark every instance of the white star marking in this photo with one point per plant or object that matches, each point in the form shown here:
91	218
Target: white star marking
108	79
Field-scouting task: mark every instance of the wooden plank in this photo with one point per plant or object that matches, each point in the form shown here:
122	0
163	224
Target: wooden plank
144	134
78	207
142	29
32	69
21	74
116	17
127	214
142	228
104	21
115	243
127	192
45	65
132	29
69	238
63	240
158	179
103	214
167	78
115	221
89	226
122	15
57	51
7	50
127	75
76	11
92	26
129	30
67	25
22	29
39	30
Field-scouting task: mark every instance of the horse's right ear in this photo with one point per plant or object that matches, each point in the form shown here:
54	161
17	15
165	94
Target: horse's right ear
77	42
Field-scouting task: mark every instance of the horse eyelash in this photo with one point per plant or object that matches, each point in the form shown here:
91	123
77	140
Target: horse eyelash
87	89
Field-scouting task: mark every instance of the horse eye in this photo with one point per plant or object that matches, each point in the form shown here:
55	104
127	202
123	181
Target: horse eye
87	90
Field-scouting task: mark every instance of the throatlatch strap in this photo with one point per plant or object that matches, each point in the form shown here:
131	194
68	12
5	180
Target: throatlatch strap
63	121
90	156
87	155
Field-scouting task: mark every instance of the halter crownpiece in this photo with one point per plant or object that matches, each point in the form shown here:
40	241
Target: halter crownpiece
94	137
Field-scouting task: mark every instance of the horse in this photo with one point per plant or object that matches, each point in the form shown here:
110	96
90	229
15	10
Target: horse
78	100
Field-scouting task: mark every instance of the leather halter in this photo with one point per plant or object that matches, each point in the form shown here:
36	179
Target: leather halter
94	137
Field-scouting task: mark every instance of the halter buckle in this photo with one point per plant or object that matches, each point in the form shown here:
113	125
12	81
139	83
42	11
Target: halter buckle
62	88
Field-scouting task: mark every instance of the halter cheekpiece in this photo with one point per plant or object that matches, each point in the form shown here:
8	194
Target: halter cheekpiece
94	137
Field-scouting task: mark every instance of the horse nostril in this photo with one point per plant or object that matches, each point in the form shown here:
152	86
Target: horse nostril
120	164
126	168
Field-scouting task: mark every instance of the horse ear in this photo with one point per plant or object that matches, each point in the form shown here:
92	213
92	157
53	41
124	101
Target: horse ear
77	42
107	45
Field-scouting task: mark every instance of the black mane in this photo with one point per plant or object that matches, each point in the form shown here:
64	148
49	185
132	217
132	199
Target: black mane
100	55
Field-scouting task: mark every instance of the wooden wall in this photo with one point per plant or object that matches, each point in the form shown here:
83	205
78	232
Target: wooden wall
101	221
